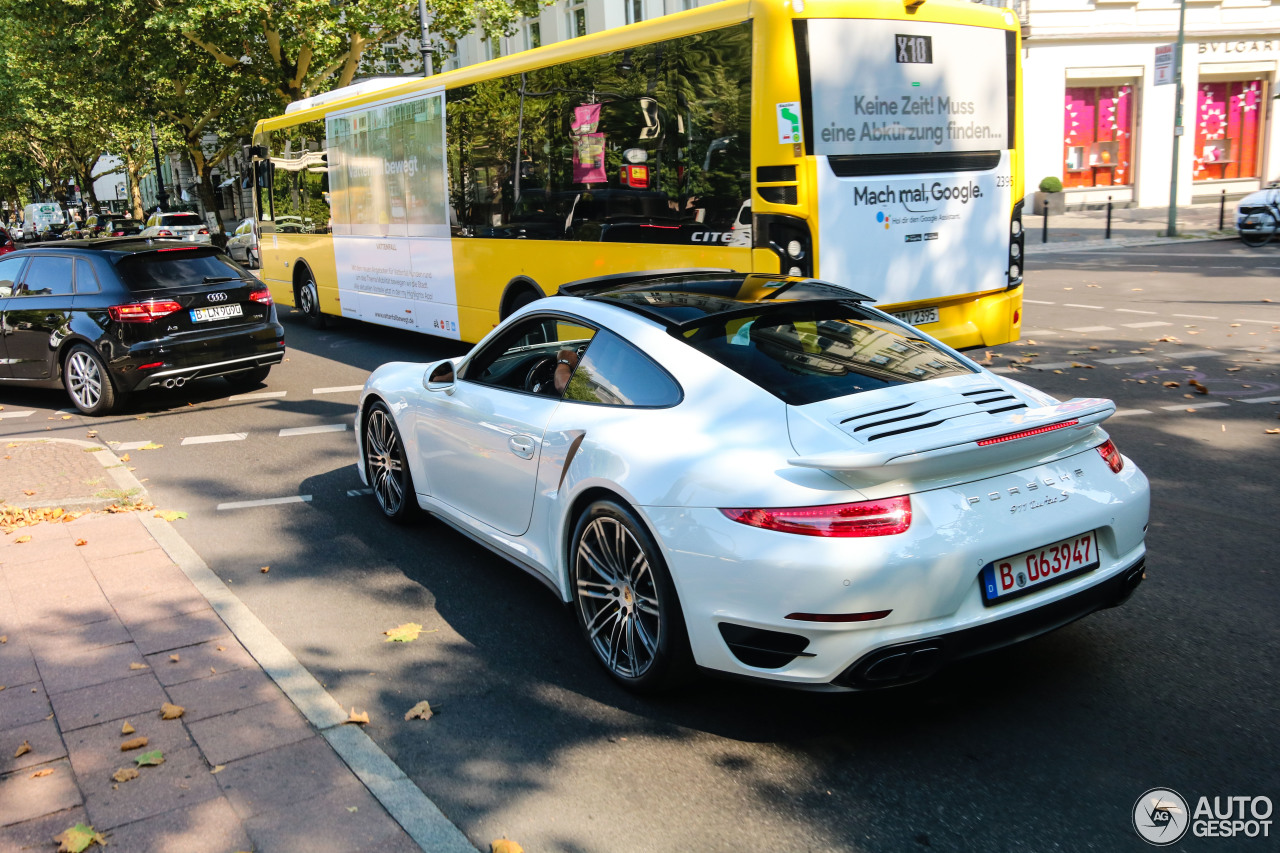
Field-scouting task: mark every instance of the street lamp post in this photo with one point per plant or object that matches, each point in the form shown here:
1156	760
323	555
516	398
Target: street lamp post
423	40
162	197
1172	230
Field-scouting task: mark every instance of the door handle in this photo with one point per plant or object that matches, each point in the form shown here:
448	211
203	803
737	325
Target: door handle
52	318
521	445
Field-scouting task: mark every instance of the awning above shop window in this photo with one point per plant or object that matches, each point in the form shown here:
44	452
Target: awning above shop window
1107	74
1237	70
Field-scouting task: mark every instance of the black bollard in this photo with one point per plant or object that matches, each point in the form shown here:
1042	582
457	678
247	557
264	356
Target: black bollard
1108	217
1044	230
1222	209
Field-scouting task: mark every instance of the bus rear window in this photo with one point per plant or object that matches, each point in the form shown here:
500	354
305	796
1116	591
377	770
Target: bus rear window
807	354
176	268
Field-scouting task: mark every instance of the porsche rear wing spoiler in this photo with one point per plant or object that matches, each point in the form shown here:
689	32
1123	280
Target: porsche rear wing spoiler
1040	432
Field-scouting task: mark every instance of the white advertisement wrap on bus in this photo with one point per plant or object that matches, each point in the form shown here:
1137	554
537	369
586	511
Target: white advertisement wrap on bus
892	88
389	198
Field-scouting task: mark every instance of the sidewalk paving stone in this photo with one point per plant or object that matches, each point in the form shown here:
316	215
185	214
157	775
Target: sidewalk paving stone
180	782
201	661
24	796
172	597
188	629
22	705
95	750
113	700
326	824
42	736
92	635
17	666
223	693
252	784
207	827
67	668
249	731
37	833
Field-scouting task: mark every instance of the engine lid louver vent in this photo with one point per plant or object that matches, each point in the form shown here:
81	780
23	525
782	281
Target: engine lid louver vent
924	415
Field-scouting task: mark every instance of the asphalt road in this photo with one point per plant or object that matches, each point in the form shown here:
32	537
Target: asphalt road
1041	747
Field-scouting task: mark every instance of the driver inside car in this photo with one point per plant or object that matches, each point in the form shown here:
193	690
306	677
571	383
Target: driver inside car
566	361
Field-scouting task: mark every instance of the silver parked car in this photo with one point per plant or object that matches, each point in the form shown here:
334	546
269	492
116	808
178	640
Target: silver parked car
181	226
243	244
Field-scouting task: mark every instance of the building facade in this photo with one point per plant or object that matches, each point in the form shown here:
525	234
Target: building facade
1100	116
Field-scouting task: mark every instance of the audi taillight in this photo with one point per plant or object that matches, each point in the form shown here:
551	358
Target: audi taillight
865	518
1109	452
262	296
142	312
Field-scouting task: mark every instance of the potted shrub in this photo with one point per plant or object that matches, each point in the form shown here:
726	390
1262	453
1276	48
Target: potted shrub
1050	198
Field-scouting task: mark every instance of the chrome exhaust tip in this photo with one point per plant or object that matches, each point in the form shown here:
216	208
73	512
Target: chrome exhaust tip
168	383
179	382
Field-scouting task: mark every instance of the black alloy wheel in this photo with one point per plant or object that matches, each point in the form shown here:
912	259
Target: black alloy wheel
1258	228
308	302
386	467
626	602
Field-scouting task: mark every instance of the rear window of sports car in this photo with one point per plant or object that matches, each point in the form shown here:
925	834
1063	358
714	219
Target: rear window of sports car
807	353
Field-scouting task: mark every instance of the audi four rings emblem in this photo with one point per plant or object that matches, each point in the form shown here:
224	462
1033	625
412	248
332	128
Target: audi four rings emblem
217	297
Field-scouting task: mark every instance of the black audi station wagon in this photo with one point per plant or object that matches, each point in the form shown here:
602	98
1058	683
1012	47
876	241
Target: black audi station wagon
107	317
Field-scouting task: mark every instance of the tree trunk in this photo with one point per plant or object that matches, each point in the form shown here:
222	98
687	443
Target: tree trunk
135	191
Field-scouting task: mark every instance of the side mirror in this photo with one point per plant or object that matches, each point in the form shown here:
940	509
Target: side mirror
440	378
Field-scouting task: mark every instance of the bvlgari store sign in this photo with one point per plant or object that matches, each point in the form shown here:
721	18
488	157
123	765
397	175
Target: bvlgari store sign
1245	46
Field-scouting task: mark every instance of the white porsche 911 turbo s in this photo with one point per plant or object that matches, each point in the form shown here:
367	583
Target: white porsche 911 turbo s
761	476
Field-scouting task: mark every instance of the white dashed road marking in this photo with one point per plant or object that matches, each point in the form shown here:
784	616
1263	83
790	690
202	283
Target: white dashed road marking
313	429
338	389
25	414
1196	316
1038	302
1090	307
131	445
1128	359
1150	324
1091	329
1200	353
1039	332
1053	365
213	439
1193	407
258	395
1132	311
1263	322
1261	400
295	499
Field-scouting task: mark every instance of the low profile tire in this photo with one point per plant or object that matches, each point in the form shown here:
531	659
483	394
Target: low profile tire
308	303
1258	228
386	467
251	258
248	378
88	383
625	601
521	299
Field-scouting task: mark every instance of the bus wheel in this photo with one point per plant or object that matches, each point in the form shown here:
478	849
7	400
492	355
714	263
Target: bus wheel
520	300
308	303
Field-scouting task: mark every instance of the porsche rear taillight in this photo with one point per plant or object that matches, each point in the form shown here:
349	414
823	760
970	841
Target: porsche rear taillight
142	312
1109	452
865	518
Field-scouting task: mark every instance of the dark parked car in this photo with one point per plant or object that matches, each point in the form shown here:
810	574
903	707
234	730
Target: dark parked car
6	242
107	317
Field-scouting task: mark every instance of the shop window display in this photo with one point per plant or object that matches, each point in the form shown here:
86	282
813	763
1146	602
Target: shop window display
1098	136
1228	125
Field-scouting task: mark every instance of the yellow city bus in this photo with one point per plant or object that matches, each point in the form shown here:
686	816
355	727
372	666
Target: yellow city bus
872	143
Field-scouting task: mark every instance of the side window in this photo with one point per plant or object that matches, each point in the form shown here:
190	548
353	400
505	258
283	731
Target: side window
614	373
86	278
10	272
537	355
47	276
299	182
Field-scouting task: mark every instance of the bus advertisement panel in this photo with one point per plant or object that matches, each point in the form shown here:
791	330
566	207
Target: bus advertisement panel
390	214
945	92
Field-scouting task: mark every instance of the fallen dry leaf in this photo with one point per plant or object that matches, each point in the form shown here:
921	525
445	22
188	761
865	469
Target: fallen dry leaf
405	633
361	717
265	569
66	417
171	514
22	539
4	639
124	458
78	838
127	729
506	845
124	774
137	666
1172	384
174	658
48	771
22	750
1273	432
421	711
80	542
218	768
169	711
221	648
135	743
151	446
150	759
28	492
